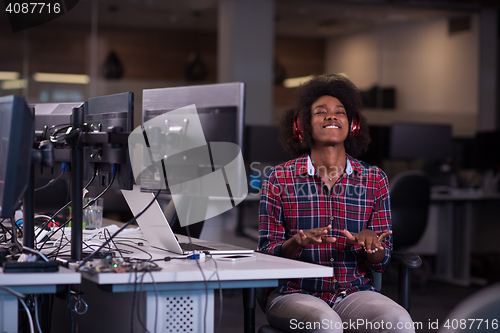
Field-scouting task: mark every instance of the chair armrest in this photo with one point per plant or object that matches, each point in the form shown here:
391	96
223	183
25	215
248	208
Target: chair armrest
407	259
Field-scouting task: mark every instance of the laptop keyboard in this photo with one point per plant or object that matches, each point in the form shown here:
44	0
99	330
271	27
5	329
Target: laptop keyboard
195	247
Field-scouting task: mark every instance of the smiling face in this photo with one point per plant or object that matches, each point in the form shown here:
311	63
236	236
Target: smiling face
330	125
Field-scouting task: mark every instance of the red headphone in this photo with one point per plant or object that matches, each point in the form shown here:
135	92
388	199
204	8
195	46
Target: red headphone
297	132
355	125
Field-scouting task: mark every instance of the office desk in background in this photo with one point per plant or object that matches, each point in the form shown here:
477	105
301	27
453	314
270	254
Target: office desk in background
29	283
457	218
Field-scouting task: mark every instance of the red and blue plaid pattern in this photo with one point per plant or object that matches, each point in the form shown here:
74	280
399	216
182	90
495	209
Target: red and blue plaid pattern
292	200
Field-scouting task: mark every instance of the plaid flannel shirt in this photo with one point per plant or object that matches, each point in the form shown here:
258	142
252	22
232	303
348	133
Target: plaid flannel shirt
294	198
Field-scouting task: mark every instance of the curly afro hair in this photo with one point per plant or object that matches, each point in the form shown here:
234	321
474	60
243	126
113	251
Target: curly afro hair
334	85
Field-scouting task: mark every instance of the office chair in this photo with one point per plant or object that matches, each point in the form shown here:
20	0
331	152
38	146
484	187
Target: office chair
478	312
410	197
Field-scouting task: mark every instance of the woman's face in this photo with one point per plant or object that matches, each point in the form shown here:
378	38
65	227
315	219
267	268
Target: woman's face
330	125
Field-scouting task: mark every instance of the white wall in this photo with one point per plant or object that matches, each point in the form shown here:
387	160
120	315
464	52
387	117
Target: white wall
436	75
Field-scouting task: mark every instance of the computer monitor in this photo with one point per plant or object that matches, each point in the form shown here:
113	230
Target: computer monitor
487	151
111	113
378	149
431	142
262	146
190	145
16	135
220	109
50	117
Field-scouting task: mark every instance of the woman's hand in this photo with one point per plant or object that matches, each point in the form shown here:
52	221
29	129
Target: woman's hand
312	236
315	236
370	241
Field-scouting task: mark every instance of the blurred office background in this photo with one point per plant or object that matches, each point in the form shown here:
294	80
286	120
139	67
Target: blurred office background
434	64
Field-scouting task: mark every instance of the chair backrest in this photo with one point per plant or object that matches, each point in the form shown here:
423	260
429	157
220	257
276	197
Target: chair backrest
410	195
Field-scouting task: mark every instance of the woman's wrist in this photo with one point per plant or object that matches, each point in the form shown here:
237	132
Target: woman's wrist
291	247
376	257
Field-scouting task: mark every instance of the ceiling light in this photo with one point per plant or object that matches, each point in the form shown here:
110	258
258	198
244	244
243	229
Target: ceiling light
296	81
14	84
62	78
9	75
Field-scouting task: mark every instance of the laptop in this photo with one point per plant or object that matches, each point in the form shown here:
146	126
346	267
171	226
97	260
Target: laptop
157	231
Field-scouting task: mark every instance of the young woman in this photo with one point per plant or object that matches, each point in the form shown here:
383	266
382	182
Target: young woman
328	208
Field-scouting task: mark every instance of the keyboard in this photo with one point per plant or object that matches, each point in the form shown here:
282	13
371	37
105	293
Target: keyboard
195	247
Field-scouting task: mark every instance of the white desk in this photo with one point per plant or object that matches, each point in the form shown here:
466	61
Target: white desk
29	283
457	217
180	286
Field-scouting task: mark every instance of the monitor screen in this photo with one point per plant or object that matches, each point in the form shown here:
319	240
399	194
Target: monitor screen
111	113
262	146
16	135
487	151
421	141
378	149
